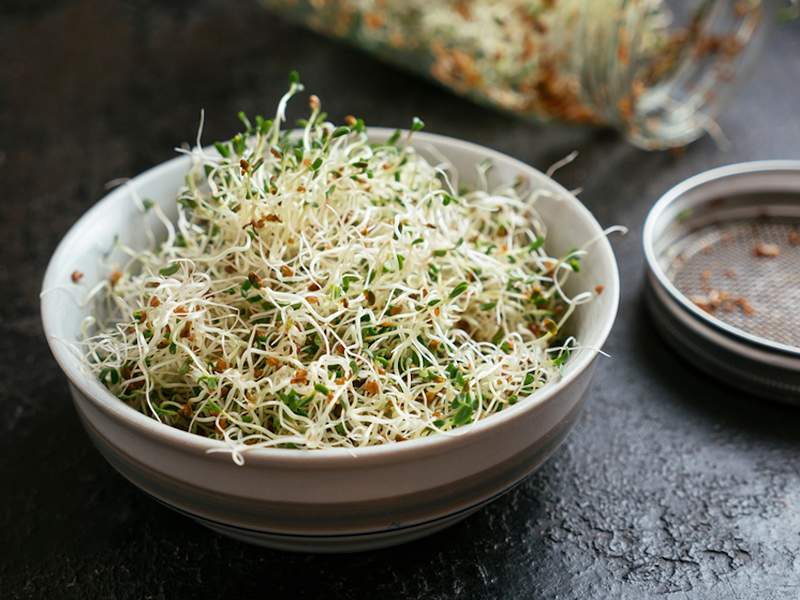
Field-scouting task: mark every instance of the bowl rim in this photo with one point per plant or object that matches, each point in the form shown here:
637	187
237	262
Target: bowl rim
108	403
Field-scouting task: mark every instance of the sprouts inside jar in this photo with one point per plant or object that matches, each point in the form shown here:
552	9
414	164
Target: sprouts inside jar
660	71
319	290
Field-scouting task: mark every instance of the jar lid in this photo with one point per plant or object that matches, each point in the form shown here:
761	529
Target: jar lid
723	283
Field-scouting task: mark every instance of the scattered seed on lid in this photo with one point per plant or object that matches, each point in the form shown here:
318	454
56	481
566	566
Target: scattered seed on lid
764	250
745	306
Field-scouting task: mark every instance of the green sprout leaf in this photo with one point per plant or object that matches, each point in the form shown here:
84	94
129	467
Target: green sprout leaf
239	144
536	244
109	376
223	149
211	382
245	121
574	262
459	289
464	406
169	270
212	409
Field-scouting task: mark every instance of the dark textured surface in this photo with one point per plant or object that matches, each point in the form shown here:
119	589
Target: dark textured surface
671	485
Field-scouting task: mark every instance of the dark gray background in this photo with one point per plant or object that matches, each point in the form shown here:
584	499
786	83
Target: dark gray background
670	485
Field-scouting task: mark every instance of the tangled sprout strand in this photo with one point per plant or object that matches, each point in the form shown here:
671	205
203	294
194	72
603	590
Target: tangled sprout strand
320	291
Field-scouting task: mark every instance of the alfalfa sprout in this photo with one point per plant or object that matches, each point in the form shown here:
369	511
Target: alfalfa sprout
318	290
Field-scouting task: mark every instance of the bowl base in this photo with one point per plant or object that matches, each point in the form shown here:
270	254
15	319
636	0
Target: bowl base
334	544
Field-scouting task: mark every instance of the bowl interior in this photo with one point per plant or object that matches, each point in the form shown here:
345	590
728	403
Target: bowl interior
88	247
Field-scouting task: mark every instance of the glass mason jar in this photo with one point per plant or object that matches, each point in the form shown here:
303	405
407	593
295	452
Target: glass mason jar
657	70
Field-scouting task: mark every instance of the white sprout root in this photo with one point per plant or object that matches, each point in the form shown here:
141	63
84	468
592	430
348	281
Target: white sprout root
320	291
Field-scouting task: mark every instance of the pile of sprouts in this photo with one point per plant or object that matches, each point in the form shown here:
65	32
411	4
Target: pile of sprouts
318	290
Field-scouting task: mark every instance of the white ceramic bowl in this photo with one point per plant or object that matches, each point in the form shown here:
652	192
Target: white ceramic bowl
337	499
